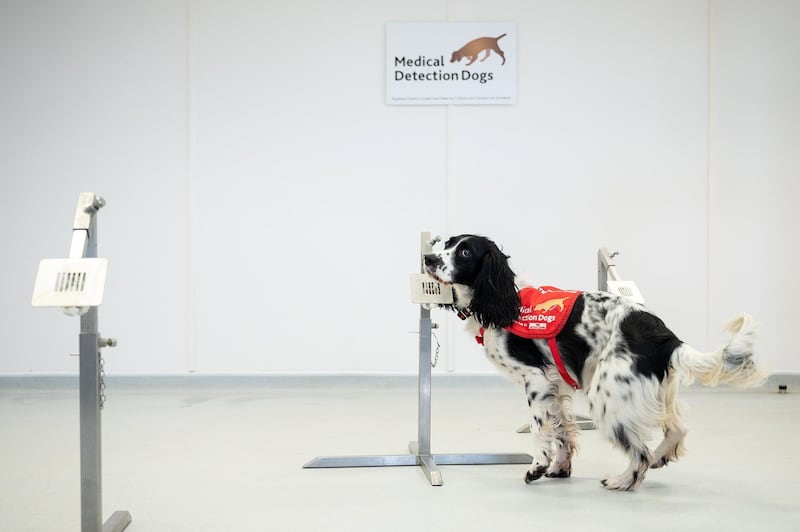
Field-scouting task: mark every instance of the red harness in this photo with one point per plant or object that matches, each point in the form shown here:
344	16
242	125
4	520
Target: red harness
542	314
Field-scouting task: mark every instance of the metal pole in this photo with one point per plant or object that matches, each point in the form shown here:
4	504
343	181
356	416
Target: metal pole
90	420
84	243
422	447
424	400
424	409
91	459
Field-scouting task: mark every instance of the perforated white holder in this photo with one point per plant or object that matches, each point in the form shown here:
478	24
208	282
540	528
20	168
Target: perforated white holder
626	289
70	284
425	290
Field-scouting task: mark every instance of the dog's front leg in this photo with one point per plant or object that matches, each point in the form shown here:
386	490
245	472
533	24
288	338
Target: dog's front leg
566	434
540	393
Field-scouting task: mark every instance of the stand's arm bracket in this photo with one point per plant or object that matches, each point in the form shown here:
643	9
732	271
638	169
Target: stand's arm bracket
84	226
609	280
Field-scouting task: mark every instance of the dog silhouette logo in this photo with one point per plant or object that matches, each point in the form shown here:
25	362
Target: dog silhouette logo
550	304
475	47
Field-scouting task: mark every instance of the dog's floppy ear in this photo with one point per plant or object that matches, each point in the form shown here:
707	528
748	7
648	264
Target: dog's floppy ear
495	301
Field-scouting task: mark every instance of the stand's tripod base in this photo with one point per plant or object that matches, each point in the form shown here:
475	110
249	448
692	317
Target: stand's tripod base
118	522
428	462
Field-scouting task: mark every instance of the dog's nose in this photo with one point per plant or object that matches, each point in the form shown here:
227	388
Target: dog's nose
432	259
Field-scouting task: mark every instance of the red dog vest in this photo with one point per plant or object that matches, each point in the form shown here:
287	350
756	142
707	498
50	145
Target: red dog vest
542	314
543	311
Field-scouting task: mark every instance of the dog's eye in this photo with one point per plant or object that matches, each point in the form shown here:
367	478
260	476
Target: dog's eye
465	253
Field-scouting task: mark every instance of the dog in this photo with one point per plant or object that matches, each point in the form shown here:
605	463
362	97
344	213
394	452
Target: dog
625	358
475	47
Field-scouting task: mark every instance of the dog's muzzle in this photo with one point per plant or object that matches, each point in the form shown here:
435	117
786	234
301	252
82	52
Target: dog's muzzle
434	264
433	261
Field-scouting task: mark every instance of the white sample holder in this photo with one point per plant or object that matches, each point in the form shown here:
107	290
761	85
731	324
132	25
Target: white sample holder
609	280
425	291
76	285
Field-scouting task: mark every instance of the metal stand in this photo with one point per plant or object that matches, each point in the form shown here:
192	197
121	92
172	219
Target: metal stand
84	246
421	449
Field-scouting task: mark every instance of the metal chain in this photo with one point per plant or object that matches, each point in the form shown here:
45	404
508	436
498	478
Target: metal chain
436	353
102	380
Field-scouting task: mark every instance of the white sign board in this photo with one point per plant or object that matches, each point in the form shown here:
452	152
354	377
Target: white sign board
434	63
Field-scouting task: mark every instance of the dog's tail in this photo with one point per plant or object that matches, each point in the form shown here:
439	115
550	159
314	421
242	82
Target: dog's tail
733	364
498	38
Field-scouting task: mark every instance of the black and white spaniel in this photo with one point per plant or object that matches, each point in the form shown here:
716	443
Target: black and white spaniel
627	361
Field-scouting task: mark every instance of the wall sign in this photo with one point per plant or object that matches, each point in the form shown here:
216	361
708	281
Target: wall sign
434	63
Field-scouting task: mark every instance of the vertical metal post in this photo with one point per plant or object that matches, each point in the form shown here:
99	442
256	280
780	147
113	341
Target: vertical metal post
425	327
424	432
422	447
602	274
90	429
84	245
90	419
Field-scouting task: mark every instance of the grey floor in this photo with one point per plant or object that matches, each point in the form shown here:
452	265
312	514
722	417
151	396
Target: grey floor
227	455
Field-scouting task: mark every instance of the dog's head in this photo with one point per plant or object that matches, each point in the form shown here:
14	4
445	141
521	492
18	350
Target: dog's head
477	263
456	56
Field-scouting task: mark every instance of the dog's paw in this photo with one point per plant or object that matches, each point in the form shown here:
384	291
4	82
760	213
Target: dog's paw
535	473
611	483
660	463
620	483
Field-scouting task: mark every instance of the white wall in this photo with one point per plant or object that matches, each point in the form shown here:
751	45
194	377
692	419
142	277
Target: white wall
264	204
606	145
92	97
755	169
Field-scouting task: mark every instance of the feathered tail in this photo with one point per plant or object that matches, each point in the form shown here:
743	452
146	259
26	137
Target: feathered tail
733	364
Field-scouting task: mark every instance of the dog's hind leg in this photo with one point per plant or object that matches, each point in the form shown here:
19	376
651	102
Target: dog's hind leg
671	447
541	393
625	408
640	457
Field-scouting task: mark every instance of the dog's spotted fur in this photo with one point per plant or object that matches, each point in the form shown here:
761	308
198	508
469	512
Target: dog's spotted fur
627	361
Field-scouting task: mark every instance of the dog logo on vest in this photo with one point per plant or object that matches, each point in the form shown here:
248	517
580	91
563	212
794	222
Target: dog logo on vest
550	304
476	46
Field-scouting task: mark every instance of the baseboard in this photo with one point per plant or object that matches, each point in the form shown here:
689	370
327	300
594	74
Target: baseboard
777	381
195	380
791	380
